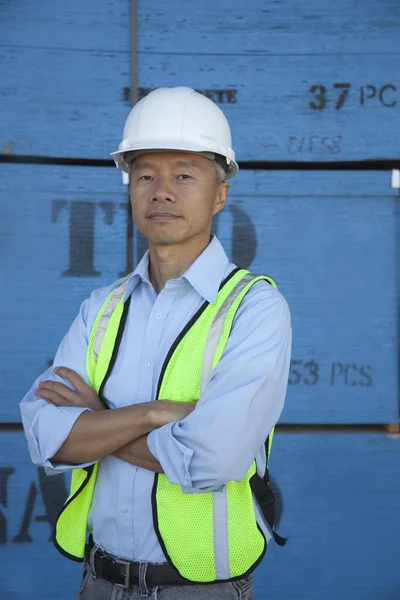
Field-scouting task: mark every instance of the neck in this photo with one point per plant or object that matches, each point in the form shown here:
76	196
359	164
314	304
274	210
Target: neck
171	261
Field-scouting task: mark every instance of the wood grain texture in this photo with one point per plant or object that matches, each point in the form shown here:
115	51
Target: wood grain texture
62	234
281	27
271	119
66	72
64	67
29	504
338	502
340	496
272	54
329	240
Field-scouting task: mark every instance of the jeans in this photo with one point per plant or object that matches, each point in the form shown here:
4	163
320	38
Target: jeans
95	588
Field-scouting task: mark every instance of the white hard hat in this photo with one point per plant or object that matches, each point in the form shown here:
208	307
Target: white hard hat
178	119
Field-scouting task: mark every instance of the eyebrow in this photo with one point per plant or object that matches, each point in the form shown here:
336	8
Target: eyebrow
186	163
179	163
141	165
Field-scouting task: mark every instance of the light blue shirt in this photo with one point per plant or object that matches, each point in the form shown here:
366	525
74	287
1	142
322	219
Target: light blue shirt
217	442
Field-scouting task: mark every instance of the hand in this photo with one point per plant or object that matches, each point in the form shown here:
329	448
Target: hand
167	411
60	394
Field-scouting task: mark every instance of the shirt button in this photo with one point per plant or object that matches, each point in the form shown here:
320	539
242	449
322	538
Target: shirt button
158	316
124	510
147	364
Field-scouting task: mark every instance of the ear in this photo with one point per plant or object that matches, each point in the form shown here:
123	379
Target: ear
221	197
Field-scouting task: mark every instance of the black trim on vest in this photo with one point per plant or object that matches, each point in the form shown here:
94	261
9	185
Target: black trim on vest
155	524
265	497
186	329
117	344
266	501
89	471
156	475
229	277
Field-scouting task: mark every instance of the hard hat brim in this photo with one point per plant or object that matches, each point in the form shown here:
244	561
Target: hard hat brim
120	155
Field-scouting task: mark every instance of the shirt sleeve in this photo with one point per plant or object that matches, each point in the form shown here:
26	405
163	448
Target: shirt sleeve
47	426
243	401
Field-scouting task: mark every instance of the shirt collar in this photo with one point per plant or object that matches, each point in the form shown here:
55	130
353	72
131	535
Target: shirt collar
205	275
208	270
141	273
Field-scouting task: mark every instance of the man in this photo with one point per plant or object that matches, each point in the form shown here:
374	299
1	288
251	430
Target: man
190	355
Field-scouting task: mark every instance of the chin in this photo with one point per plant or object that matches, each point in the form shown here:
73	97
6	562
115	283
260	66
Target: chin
166	240
164	235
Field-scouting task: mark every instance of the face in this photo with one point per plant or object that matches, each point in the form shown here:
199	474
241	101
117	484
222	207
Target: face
174	196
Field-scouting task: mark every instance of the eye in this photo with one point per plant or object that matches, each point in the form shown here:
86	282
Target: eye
145	178
184	177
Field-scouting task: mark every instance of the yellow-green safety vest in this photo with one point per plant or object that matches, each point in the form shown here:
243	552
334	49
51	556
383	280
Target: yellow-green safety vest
199	546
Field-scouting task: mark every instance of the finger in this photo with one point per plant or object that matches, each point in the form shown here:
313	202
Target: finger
39	397
52	397
72	377
48	402
60	388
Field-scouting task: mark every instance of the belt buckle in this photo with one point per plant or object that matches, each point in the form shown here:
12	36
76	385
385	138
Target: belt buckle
126	583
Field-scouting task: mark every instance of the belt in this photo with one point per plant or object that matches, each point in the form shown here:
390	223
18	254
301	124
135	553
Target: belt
125	573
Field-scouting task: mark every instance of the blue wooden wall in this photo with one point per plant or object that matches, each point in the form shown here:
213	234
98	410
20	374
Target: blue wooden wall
301	82
64	233
64	67
330	241
29	504
338	501
297	80
305	81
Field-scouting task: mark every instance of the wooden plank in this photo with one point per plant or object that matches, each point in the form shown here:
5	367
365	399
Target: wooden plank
340	497
282	27
66	26
63	235
64	68
301	82
271	117
339	503
29	504
329	239
68	64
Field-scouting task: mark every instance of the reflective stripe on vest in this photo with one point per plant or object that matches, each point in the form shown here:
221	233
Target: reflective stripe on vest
205	536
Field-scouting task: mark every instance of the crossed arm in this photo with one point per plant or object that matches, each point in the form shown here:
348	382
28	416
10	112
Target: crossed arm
99	432
198	451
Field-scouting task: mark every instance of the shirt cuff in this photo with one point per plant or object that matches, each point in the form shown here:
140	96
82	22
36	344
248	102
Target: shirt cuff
50	428
173	456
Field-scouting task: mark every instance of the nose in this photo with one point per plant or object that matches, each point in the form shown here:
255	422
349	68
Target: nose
163	192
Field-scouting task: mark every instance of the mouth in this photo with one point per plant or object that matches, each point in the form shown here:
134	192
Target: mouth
162	217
